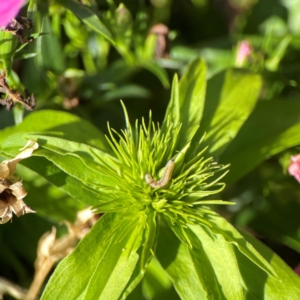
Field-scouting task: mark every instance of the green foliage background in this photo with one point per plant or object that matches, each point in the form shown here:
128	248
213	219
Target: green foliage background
100	52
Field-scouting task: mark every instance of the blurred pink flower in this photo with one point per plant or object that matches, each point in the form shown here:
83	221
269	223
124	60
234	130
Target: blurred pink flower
297	269
8	10
294	168
243	50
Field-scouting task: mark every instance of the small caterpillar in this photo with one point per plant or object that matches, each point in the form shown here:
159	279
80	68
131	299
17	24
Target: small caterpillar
165	179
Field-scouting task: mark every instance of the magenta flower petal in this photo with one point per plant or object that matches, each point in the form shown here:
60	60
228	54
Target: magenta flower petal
243	51
8	10
294	168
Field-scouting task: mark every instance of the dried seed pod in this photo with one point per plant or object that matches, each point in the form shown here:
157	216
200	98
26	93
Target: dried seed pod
12	192
165	179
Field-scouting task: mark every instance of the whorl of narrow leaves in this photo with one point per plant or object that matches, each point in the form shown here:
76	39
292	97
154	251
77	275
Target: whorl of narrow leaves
145	150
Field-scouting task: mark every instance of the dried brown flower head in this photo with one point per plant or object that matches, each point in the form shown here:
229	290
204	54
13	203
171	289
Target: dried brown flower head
12	191
12	97
161	47
17	27
51	249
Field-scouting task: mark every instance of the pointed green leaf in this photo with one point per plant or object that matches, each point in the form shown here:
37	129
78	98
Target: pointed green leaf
101	265
192	89
215	263
173	109
76	159
63	124
232	236
56	204
31	10
70	185
8	45
176	260
74	167
230	99
145	252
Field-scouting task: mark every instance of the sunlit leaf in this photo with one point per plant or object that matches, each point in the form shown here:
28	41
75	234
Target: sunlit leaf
103	262
230	99
61	124
273	127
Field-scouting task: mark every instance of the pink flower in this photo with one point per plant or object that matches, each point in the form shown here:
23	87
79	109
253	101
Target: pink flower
243	50
8	10
297	269
294	168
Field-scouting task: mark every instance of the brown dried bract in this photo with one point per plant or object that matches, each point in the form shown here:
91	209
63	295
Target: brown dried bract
17	26
161	47
12	192
13	97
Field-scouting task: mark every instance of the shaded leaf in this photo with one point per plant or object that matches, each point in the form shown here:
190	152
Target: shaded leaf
159	72
49	49
61	124
56	205
258	285
70	185
221	227
156	283
145	252
260	138
215	263
175	259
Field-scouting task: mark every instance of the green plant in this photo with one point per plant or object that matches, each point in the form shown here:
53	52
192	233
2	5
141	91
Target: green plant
196	251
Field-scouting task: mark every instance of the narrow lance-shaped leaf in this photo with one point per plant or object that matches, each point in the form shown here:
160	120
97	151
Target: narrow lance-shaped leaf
101	265
8	45
176	260
70	185
87	17
192	88
173	109
76	159
145	252
50	53
61	124
230	99
215	263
